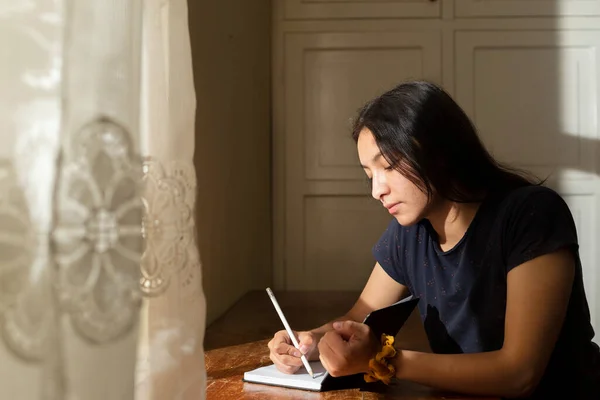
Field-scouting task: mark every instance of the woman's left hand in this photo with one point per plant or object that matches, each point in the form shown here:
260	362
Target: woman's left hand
347	349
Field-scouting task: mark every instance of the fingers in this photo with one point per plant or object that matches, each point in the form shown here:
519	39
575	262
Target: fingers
282	345
348	328
306	342
330	357
283	354
334	342
346	349
344	332
286	364
285	348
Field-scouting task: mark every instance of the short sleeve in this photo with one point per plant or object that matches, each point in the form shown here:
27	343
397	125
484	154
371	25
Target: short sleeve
387	254
539	223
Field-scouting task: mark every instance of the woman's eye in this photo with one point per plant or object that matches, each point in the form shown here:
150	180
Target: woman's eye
389	168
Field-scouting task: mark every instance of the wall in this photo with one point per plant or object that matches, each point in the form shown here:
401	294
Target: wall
231	56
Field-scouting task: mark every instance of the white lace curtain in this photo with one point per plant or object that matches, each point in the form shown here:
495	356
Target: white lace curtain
100	277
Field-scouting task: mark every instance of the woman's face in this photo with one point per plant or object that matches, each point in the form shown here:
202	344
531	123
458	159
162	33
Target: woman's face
402	198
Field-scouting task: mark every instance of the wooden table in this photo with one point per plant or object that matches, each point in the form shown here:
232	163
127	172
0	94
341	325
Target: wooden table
237	343
226	366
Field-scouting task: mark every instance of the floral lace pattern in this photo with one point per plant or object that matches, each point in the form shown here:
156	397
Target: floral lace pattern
21	295
168	225
98	237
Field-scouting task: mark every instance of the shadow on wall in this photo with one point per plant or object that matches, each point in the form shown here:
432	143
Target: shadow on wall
231	58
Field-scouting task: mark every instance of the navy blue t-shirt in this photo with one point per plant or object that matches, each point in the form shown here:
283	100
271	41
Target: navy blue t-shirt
463	290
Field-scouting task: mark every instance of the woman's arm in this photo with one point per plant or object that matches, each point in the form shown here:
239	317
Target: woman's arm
538	293
380	291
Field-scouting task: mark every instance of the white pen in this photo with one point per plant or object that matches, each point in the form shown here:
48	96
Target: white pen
289	331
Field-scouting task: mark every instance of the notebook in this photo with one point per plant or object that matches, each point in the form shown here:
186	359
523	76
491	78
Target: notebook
387	320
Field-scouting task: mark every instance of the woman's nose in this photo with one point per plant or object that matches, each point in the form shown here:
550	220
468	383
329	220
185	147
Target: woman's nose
379	188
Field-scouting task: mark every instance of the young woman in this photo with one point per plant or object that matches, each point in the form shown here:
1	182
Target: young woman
491	253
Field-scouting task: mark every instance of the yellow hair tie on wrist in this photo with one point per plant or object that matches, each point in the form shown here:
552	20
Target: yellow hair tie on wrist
379	368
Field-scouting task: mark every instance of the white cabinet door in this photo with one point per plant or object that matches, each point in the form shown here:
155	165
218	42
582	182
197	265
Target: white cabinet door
340	9
330	221
534	97
503	8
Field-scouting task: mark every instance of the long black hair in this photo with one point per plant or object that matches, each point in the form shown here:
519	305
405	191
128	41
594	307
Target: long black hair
424	134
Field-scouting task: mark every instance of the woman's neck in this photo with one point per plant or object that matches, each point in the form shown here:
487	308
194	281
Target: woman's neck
451	220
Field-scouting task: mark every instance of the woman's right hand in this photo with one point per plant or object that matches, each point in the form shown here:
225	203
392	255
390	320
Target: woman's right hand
285	356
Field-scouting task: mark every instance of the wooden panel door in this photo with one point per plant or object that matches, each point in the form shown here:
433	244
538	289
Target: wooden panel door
330	221
505	8
534	97
364	9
